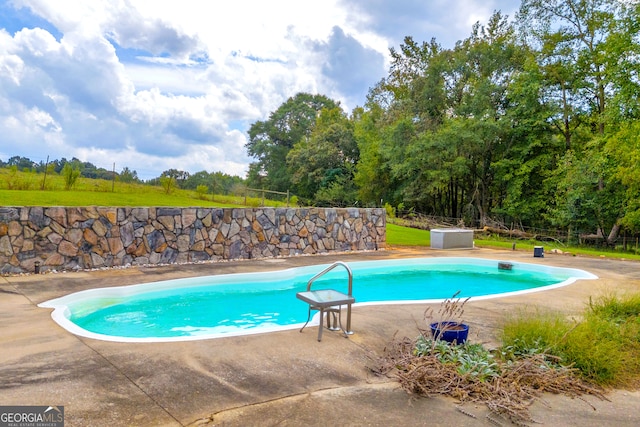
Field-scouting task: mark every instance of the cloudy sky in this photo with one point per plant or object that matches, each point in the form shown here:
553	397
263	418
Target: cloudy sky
161	84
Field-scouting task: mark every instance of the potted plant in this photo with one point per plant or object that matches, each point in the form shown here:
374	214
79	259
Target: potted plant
450	327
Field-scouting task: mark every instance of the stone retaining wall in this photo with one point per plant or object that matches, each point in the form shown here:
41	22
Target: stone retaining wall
64	238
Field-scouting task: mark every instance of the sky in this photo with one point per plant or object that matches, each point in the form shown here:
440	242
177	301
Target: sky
154	85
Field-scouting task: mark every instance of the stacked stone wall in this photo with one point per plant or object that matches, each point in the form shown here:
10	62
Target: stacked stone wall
76	238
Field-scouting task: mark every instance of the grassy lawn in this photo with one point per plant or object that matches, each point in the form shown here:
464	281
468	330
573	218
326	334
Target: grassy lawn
25	189
95	198
404	236
526	245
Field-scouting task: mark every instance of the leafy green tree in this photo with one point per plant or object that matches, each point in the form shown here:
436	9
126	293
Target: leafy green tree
399	139
270	141
179	177
590	198
197	179
21	163
330	152
446	157
621	53
128	176
225	183
373	177
487	62
216	182
588	51
58	164
168	183
340	192
572	37
524	186
623	148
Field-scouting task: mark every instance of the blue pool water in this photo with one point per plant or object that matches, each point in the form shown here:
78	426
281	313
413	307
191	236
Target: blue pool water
237	304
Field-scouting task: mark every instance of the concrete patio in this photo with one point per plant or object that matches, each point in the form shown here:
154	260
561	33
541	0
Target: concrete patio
281	378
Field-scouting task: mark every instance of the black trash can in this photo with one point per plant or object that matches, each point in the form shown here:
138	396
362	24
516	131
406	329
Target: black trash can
538	251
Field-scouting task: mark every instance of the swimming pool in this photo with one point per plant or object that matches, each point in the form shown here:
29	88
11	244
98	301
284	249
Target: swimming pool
240	304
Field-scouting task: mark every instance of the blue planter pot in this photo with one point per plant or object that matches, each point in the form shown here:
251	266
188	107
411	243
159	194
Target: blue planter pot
450	331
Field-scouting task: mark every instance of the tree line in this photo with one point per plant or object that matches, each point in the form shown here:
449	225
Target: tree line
86	169
532	121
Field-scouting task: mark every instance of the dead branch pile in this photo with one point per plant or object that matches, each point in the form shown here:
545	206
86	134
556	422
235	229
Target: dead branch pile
510	233
507	396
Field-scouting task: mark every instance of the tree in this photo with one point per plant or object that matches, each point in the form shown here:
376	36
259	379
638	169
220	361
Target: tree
168	183
216	182
341	191
373	175
22	163
58	165
485	66
588	50
179	176
572	37
197	179
270	141
590	198
128	176
525	189
448	130
623	148
330	152
622	50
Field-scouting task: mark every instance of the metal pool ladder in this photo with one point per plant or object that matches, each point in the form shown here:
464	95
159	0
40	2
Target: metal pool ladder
329	301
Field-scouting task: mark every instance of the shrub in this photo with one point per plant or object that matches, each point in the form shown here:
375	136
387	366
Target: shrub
604	345
202	191
596	349
536	332
391	211
618	309
253	202
70	175
168	183
12	178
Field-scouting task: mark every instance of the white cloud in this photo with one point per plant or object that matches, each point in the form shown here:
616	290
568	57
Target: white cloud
154	85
